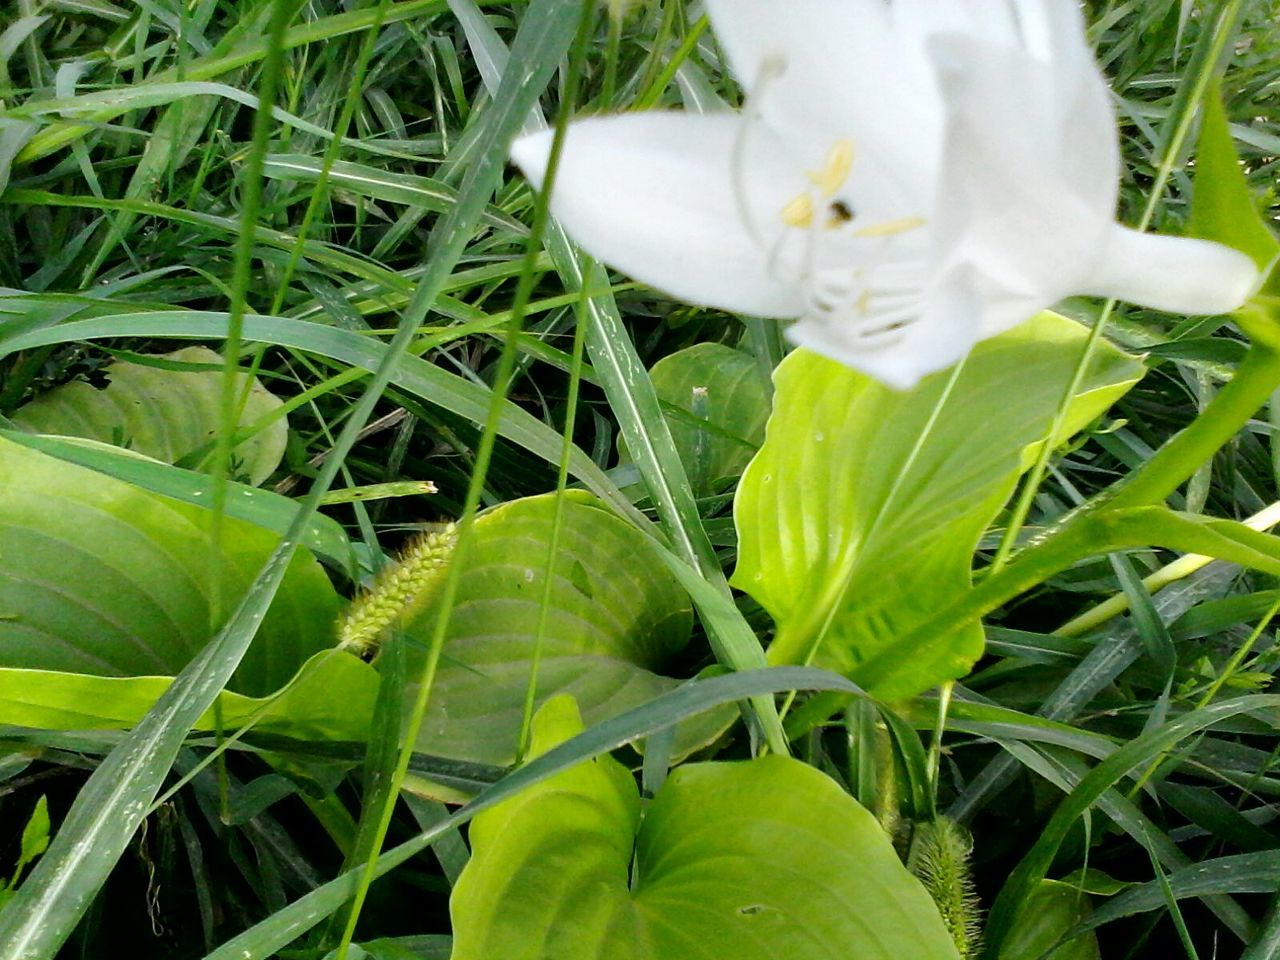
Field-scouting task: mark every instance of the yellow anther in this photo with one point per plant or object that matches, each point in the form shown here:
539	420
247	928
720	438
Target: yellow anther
836	170
798	211
889	228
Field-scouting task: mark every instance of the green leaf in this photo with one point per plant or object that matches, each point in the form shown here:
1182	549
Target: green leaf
35	835
330	698
163	411
284	926
1243	873
118	581
1049	913
1026	877
1224	208
262	508
717	406
616	616
863	508
366	181
760	859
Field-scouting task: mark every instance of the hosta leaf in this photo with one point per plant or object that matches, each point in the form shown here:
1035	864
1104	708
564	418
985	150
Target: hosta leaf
754	860
162	411
331	698
862	510
615	617
104	578
717	410
1050	912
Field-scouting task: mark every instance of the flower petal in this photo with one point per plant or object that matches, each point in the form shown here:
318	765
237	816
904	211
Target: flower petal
756	32
1176	274
1047	127
652	194
936	337
824	71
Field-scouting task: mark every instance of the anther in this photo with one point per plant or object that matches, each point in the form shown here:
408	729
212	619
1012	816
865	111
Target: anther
838	214
798	211
836	170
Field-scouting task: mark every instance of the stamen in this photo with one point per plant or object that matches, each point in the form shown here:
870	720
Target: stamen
798	211
772	68
890	228
836	170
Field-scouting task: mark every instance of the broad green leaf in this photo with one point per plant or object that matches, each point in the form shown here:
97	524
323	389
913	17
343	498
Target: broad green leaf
324	536
754	860
863	508
1049	913
162	411
283	927
717	408
330	698
112	803
100	577
1224	208
615	617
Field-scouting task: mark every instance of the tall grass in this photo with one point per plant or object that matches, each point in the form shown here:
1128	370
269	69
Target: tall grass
319	190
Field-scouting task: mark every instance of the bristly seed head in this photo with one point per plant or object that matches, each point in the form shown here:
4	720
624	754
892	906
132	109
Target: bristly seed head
397	588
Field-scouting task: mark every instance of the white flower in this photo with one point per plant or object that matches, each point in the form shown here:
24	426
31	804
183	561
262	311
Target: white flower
908	177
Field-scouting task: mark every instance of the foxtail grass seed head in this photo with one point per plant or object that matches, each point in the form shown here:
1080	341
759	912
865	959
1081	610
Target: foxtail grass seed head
939	858
397	589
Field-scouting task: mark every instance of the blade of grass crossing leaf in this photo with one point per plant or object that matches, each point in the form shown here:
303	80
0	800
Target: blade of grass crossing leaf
1171	904
545	35
282	13
112	803
433	384
557	522
634	402
282	928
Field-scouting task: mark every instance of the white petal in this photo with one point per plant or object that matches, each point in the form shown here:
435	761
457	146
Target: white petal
788	32
1045	128
821	71
991	20
1176	274
936	338
652	194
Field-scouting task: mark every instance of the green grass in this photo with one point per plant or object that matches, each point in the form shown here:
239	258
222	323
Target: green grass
365	251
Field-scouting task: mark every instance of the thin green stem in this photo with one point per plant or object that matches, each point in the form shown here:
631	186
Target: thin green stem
557	520
475	488
1175	462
